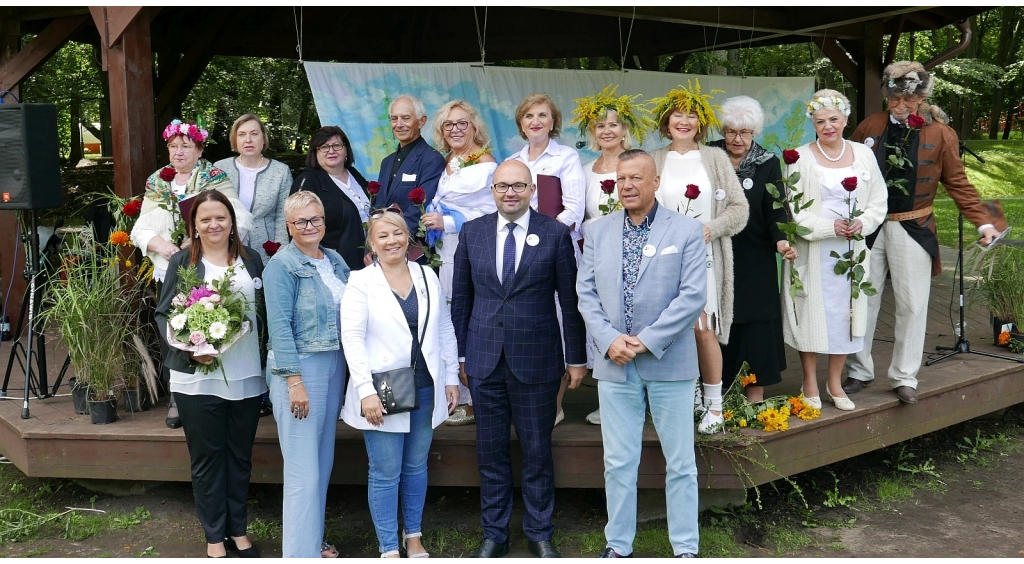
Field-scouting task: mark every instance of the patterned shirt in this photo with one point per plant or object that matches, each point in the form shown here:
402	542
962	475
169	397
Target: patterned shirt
634	237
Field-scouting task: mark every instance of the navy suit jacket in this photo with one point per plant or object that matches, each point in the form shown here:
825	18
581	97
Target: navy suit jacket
522	322
423	166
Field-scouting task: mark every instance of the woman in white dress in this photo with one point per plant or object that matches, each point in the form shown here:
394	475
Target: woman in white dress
463	194
822	319
610	124
699	181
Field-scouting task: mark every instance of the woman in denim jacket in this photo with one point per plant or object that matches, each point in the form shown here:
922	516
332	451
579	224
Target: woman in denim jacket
304	282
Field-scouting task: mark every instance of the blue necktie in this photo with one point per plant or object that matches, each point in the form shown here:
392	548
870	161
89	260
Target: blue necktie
508	261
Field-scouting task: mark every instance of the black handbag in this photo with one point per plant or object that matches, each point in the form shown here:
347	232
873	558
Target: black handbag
397	388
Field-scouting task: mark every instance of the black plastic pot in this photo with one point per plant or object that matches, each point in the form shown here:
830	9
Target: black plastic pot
79	392
103	412
135	400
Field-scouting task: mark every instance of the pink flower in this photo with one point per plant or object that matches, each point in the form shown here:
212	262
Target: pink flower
197	338
197	294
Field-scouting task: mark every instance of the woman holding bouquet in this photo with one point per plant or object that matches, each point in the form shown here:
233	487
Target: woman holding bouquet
305	281
839	176
394	316
219	408
160	230
699	181
463	194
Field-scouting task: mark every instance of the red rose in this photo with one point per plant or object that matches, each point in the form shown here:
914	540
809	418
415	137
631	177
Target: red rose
607	186
373	187
271	247
418	196
167	173
790	156
131	208
915	121
850	183
692	191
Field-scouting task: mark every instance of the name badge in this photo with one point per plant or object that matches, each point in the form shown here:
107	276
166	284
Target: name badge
649	251
408	177
532	239
748	183
869	142
719	194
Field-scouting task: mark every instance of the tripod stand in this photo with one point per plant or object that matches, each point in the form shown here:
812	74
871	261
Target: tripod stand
962	345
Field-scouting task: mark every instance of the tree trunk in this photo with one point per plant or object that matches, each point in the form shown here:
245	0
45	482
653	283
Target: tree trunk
595	63
1007	29
75	154
1008	126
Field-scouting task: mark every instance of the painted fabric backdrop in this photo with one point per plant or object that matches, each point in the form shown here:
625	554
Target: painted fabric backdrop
355	97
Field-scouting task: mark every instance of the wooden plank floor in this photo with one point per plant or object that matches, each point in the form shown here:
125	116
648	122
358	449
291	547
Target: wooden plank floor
54	442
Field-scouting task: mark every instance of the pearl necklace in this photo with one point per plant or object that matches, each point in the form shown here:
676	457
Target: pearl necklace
824	154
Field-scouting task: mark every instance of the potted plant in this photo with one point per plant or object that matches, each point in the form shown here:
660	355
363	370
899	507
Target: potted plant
1000	286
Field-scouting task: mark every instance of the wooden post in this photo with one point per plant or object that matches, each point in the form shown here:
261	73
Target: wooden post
12	253
869	72
130	72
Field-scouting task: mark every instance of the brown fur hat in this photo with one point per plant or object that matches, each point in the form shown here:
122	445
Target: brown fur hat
905	78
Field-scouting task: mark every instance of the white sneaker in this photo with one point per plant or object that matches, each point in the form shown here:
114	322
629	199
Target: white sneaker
595	417
710	423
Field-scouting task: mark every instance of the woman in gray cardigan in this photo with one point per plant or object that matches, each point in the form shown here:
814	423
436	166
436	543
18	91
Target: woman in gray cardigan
263	184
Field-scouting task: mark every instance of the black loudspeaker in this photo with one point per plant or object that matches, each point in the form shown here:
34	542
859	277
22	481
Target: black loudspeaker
29	157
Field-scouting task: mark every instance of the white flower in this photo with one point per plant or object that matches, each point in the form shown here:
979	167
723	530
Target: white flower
178	321
204	300
178	300
213	299
218	330
209	306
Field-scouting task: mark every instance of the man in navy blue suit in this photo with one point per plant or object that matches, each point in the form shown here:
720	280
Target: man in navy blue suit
414	164
508	267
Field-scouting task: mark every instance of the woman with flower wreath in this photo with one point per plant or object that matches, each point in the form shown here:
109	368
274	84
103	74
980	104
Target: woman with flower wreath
611	125
463	194
160	230
755	336
847	193
700	181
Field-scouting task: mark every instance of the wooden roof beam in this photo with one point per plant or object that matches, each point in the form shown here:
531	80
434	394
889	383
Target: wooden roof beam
839	57
39	50
186	73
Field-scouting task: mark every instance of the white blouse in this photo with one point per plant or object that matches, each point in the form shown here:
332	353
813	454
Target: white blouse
563	162
247	183
354	192
595	196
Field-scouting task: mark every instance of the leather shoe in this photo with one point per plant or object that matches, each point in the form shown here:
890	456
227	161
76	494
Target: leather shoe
907	394
544	549
853	385
491	549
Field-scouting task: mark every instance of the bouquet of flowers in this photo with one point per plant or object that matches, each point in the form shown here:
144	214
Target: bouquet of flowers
206	319
770	414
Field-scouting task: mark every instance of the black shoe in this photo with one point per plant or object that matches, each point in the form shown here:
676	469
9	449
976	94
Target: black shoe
251	552
610	553
491	549
175	421
544	549
853	385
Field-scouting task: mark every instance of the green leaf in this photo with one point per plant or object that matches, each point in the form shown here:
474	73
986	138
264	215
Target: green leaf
834	254
802	231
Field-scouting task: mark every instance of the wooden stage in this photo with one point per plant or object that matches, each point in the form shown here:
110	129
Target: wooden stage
54	442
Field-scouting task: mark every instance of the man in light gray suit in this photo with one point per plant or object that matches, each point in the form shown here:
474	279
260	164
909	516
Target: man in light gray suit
642	284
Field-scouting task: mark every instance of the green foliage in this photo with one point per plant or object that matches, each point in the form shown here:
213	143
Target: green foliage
784	540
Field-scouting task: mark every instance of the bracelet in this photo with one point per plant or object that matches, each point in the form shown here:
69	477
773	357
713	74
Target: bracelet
290	386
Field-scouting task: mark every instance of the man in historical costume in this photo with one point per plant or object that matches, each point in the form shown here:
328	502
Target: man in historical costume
414	165
642	285
905	246
508	267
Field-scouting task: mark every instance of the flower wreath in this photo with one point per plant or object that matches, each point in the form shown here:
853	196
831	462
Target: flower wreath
591	109
833	102
190	130
686	100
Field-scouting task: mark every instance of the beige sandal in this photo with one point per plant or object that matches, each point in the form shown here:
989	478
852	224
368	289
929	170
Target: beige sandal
328	550
416	535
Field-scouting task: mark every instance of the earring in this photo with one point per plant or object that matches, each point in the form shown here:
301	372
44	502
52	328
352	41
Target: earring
197	235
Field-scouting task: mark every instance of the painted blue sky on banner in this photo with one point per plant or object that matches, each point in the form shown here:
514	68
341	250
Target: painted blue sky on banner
355	97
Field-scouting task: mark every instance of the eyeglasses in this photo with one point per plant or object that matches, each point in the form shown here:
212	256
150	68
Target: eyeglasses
182	148
745	134
336	147
461	125
518	187
379	212
301	224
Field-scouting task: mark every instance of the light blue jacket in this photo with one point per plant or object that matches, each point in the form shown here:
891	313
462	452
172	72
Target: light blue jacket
301	313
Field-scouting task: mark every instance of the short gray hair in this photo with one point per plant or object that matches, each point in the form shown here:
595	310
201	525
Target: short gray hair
417	105
631	154
301	199
742	112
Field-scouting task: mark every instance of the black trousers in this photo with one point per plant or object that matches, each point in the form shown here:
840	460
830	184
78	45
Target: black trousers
220	434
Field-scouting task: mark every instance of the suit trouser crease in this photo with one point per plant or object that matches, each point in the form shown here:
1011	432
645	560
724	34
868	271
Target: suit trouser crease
220	434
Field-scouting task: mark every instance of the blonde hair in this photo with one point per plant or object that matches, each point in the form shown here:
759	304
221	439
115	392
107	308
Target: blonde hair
301	199
233	134
531	101
828	99
391	218
591	134
481	138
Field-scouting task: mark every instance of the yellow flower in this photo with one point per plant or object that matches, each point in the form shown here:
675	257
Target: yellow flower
727	414
120	238
748	379
809	413
743	422
128	263
774	419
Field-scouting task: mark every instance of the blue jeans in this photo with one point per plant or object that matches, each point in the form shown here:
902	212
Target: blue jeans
307	446
400	459
622	422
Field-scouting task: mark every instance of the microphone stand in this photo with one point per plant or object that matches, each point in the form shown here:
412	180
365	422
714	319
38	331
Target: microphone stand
962	345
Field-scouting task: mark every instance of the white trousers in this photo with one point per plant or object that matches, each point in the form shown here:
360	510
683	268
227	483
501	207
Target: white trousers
897	253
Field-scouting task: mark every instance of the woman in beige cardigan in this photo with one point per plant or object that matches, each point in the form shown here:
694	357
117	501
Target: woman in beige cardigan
699	181
822	319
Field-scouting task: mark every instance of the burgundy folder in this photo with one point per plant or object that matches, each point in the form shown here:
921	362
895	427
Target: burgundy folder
549	195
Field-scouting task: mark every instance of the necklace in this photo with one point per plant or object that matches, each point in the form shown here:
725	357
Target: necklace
824	154
255	168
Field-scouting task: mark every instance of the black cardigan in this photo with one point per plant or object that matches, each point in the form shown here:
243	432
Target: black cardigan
344	225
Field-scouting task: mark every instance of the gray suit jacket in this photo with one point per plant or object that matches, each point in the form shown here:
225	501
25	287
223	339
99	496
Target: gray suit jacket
272	188
669	296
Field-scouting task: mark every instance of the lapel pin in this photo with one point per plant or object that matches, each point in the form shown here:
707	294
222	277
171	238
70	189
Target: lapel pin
748	184
869	142
649	251
532	239
719	194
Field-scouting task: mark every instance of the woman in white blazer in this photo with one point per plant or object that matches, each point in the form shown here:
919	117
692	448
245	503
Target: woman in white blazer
385	309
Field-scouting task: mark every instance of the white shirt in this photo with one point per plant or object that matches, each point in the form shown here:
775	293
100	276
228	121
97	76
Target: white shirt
563	162
354	192
520	232
247	182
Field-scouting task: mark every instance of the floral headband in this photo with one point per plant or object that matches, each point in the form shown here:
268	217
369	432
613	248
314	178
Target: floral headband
591	109
831	102
190	130
688	100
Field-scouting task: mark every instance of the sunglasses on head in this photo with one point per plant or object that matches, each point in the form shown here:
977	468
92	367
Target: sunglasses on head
379	212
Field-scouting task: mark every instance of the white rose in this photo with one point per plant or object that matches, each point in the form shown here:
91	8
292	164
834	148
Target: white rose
204	300
178	321
218	330
209	306
213	299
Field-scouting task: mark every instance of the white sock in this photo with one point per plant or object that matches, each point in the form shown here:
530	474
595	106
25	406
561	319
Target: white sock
713	396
